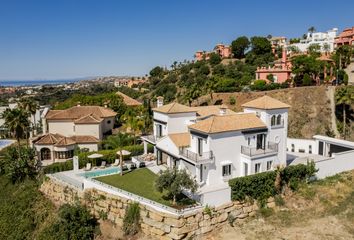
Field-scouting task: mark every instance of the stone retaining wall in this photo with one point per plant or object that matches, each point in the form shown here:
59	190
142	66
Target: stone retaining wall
153	223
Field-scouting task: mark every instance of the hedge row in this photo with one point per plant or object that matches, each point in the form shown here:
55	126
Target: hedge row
109	157
261	186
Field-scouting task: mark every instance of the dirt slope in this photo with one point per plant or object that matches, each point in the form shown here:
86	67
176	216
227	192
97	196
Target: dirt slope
310	113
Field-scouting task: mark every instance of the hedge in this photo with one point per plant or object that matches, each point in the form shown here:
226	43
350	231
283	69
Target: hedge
262	185
108	155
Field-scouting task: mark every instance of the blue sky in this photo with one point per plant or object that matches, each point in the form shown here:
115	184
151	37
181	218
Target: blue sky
57	39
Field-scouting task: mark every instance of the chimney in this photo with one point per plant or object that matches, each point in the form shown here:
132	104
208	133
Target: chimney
159	101
222	110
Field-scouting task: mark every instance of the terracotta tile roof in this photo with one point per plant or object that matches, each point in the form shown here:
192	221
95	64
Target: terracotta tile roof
60	140
226	123
204	111
49	139
180	139
266	102
84	139
128	100
88	119
174	108
79	112
65	141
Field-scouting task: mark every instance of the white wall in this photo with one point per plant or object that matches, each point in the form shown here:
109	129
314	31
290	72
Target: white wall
107	124
89	129
65	128
93	147
216	197
302	144
178	122
339	162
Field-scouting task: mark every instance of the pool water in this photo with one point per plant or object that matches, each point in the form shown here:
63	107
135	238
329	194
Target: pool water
100	172
5	143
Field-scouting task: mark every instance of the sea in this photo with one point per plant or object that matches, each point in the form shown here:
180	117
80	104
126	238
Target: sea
18	83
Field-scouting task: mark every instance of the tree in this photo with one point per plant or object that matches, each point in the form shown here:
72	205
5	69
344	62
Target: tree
133	120
118	142
16	121
214	58
157	72
314	49
345	96
174	181
19	164
306	81
75	222
31	107
312	29
260	45
239	46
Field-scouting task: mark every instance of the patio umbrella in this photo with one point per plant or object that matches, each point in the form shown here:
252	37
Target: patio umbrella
122	153
95	156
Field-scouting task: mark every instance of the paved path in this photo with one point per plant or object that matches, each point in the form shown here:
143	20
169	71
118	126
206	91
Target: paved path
330	94
156	168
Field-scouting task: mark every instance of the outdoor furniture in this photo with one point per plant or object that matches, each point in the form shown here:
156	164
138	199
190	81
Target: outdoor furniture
132	166
88	167
103	164
142	165
94	157
116	163
125	168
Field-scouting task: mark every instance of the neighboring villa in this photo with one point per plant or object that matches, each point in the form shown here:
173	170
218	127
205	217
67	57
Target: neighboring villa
79	126
128	82
281	71
277	42
131	102
320	38
215	144
345	38
224	51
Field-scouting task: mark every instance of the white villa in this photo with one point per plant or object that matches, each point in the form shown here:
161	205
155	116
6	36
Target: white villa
215	144
81	126
320	38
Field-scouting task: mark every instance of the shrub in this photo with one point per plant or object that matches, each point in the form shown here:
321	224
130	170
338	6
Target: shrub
263	185
306	81
75	222
232	100
131	219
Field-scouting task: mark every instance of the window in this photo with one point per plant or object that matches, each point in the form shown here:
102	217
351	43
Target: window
269	165
200	146
310	149
158	130
109	122
257	167
279	119
249	141
226	170
292	147
245	168
272	122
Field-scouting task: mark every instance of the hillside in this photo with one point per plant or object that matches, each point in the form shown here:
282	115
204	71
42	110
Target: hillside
320	210
310	111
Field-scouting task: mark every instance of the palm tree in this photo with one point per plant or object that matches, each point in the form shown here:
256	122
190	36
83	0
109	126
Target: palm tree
345	96
117	142
312	29
16	121
31	107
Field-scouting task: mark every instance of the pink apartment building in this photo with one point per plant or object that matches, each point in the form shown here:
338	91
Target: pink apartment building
224	51
280	71
345	38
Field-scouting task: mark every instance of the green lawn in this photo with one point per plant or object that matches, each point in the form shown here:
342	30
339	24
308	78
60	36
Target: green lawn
139	182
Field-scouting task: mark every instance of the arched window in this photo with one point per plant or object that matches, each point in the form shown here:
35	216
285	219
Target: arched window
279	119
45	154
292	147
273	120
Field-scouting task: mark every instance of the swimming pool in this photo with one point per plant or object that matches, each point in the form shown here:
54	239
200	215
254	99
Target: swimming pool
5	143
100	172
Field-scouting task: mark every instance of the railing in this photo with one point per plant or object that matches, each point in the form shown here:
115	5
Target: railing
196	157
252	151
152	138
142	200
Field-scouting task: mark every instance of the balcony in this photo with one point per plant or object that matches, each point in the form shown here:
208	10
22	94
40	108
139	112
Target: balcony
150	138
271	148
206	157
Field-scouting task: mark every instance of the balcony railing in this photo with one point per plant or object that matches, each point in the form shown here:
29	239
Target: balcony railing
252	151
151	138
196	157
